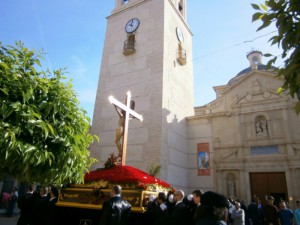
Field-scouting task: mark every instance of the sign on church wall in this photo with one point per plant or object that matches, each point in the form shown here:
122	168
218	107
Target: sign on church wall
203	159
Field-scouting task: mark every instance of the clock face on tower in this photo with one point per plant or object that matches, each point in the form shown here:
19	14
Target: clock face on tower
132	25
179	34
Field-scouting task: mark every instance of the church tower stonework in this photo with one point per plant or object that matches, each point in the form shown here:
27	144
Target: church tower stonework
147	51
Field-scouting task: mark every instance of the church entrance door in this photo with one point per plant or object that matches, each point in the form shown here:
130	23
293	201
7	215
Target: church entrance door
266	183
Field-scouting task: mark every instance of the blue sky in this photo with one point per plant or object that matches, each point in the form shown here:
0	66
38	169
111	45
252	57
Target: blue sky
72	35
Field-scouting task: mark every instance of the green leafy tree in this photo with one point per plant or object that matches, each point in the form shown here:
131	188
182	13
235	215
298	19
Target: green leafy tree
285	14
43	131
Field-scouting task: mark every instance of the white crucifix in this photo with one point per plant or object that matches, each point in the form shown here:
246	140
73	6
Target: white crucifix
125	112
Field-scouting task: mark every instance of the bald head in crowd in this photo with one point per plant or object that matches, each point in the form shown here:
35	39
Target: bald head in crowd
178	195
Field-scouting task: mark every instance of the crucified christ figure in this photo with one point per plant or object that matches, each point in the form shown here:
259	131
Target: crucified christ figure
121	125
125	112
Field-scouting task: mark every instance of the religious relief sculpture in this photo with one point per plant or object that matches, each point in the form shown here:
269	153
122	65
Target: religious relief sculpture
261	128
231	187
256	86
125	112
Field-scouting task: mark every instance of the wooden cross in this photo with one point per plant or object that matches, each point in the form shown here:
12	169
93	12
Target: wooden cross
125	112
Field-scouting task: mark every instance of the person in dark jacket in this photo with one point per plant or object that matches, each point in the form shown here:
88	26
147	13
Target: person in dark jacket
253	212
40	209
270	212
158	209
51	217
170	201
197	203
179	215
115	211
213	209
244	207
25	204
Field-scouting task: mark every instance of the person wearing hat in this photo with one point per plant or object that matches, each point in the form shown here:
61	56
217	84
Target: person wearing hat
213	209
297	213
270	212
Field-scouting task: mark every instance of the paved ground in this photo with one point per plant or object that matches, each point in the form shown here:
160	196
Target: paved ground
9	220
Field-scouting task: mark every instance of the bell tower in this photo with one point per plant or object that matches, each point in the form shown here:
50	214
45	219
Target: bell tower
147	51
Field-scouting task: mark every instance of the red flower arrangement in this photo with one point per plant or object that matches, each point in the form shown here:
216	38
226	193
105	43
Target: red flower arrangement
124	175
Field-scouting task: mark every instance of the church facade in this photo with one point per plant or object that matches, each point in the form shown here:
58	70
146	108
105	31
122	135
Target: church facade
253	137
246	142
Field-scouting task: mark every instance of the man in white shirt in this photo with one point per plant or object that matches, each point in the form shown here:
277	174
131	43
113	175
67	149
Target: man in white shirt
238	215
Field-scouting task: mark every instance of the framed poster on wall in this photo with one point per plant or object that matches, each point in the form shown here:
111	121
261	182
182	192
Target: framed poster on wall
203	159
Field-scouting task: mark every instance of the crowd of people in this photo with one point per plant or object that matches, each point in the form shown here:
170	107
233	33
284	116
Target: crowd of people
38	207
199	208
173	208
9	201
211	208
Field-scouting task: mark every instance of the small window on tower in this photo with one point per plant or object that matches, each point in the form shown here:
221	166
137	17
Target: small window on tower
126	1
179	6
255	60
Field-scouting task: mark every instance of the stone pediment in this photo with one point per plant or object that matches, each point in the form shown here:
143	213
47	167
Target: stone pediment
250	78
254	87
256	96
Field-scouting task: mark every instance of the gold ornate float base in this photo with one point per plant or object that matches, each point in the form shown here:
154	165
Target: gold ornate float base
84	196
